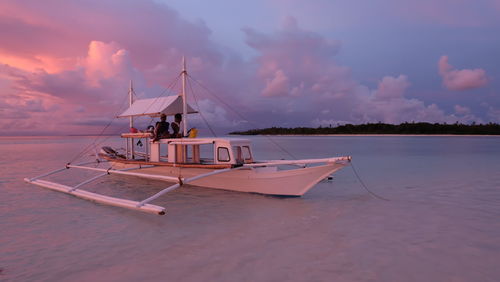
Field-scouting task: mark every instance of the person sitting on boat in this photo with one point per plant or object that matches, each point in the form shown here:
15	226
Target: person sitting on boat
176	126
161	129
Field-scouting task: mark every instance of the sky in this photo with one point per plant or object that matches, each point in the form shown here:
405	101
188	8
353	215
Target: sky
65	66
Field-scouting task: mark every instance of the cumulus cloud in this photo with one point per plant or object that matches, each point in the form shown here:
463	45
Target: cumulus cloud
67	59
78	64
461	110
388	104
493	114
278	85
460	80
295	62
299	67
392	87
105	61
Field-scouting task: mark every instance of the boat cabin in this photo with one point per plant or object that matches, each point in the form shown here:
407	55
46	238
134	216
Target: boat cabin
201	151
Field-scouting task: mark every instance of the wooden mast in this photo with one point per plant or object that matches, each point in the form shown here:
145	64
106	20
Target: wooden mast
131	118
184	99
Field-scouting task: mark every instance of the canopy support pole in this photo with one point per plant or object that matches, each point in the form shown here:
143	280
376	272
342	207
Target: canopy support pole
184	98
131	118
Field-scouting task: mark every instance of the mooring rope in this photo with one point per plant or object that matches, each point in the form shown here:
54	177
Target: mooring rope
364	186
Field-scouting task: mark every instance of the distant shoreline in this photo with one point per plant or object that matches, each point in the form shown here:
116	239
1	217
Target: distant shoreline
375	135
414	129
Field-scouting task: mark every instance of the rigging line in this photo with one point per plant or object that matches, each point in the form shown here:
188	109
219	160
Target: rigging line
364	186
242	117
169	87
93	144
89	146
199	110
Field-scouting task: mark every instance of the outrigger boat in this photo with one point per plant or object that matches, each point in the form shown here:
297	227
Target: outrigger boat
219	163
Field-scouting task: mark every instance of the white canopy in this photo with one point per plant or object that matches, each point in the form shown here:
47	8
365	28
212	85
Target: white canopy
154	107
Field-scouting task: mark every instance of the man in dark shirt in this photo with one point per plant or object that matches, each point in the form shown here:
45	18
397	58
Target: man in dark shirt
176	126
161	128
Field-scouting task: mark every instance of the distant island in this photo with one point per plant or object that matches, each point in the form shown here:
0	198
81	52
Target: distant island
383	128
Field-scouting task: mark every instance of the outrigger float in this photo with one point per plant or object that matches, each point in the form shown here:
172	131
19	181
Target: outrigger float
219	163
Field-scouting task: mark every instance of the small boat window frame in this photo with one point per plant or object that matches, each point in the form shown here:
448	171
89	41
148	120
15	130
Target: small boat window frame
219	154
238	154
247	149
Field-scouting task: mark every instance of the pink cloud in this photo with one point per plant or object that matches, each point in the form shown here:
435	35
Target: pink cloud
65	59
494	114
392	87
388	104
461	110
460	80
299	67
277	85
105	61
64	30
69	71
294	62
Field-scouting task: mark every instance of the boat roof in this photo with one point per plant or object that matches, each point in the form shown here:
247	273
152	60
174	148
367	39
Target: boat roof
154	107
204	140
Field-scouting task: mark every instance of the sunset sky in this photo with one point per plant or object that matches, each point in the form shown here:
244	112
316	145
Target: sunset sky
65	66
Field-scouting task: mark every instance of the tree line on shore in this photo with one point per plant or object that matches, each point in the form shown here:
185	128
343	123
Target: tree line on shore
383	128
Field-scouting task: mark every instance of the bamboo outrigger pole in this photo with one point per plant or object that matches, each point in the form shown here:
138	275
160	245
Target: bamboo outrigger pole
143	205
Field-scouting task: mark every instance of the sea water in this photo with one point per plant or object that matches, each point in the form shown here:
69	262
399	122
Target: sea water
441	221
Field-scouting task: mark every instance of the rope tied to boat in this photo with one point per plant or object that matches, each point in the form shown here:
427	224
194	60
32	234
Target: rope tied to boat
363	184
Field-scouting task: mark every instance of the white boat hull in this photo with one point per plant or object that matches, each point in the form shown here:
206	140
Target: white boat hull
264	180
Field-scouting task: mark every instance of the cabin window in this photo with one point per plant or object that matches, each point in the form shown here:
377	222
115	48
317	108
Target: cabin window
207	153
247	155
223	154
237	154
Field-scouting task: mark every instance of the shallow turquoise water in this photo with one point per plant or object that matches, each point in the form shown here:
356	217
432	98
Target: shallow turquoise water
441	223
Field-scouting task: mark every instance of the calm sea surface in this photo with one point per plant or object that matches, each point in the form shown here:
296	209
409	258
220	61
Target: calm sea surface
442	222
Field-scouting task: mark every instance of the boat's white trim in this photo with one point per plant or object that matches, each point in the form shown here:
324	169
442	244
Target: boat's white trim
189	142
298	162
